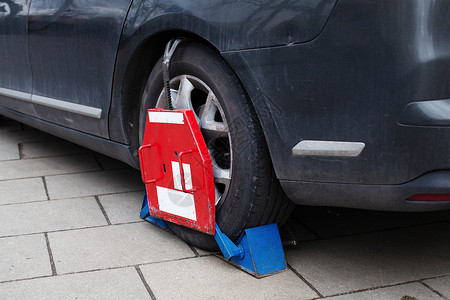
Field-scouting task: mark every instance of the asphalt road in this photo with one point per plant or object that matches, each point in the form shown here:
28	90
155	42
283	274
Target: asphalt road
69	229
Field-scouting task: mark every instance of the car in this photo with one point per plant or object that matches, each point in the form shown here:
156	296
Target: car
314	102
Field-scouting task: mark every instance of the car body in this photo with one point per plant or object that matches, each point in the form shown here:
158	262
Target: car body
353	96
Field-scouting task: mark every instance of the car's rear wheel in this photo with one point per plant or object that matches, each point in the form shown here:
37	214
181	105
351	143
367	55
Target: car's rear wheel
247	191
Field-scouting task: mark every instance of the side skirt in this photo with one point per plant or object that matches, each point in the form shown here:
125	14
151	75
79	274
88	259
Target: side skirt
116	150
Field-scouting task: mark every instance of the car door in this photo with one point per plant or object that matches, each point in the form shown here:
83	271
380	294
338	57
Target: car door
73	45
15	69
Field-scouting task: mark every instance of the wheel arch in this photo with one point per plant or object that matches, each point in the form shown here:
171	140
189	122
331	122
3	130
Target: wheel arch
136	58
127	91
142	42
138	52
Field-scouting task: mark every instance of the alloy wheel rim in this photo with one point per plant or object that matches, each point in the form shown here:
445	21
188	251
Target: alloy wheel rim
190	92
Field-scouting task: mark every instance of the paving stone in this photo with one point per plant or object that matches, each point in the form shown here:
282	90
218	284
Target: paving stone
202	252
23	257
441	284
294	231
26	127
47	166
9	151
22	190
123	208
353	263
9	125
114	246
49	216
329	222
26	136
109	163
411	291
51	148
211	278
94	183
106	284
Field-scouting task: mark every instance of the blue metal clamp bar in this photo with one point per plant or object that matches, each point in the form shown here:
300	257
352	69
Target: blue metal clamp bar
228	248
145	214
258	251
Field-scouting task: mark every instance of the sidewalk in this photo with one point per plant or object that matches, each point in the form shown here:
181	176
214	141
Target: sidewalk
70	229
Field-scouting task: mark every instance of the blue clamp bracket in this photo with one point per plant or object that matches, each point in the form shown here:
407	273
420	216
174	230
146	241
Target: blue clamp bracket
145	214
258	250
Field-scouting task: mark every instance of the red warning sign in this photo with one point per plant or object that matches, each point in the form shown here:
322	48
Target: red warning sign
177	170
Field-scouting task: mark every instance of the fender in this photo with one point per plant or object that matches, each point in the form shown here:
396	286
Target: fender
233	25
239	25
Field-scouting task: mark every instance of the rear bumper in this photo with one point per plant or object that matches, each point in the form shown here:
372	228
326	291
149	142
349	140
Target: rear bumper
377	75
376	197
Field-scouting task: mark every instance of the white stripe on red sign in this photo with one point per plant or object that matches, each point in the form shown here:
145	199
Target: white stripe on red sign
165	117
177	176
176	202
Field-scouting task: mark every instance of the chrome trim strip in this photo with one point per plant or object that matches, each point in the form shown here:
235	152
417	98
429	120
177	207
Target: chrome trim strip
15	94
328	148
79	109
426	113
84	110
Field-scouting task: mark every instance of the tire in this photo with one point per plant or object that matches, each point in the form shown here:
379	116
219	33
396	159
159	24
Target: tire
251	194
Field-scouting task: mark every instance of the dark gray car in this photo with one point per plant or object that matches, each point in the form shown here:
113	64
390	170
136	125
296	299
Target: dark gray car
318	102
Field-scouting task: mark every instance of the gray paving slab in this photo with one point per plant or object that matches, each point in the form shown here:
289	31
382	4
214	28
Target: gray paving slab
9	125
26	136
354	263
294	231
202	252
22	190
9	151
211	278
114	246
441	284
49	216
329	222
9	146
109	163
123	207
26	127
23	257
411	291
17	169
106	284
51	148
94	183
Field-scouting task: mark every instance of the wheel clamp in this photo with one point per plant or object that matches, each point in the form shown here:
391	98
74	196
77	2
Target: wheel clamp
177	171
